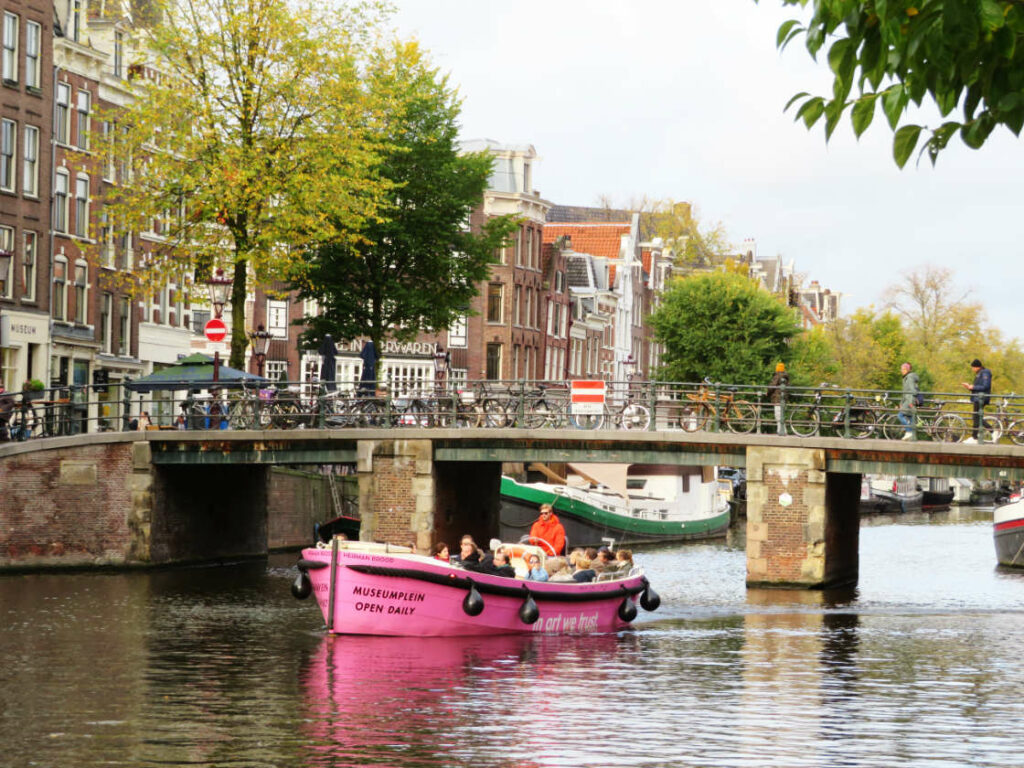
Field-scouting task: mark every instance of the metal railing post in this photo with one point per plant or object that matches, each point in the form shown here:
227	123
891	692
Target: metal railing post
652	399
846	414
126	404
718	406
521	405
321	407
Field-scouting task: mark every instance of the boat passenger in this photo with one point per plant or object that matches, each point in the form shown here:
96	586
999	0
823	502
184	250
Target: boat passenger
441	551
495	564
537	571
468	551
547	532
573	556
624	560
558	569
583	570
605	560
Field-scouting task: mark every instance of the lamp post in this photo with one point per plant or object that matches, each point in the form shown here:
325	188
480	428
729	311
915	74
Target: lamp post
220	292
441	360
260	340
6	259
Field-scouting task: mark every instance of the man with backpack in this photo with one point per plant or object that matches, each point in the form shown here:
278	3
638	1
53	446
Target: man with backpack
911	400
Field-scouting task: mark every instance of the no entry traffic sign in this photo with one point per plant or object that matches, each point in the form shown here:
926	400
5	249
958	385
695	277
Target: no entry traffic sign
215	329
586	397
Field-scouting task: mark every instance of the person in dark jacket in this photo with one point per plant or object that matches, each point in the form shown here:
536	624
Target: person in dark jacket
495	564
469	552
980	390
776	388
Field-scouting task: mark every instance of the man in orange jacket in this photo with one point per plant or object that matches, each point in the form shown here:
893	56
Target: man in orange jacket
547	532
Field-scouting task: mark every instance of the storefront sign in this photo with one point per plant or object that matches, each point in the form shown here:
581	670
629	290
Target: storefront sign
23	328
416	348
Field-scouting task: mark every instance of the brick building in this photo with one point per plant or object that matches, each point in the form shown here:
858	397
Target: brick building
26	124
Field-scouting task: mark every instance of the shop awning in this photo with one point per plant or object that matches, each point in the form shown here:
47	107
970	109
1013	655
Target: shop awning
193	372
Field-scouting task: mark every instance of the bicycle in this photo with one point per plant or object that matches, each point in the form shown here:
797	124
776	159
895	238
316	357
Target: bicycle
633	414
994	426
934	422
706	405
530	409
807	419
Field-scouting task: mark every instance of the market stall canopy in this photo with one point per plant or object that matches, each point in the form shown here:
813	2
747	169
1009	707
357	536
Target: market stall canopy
193	372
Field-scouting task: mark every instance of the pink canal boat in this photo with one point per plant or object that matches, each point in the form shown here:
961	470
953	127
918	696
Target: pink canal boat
366	588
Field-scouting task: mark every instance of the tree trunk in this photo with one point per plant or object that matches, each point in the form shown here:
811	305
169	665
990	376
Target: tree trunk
239	340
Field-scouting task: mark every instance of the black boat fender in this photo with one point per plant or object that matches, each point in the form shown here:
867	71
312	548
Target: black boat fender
528	611
649	600
472	603
302	587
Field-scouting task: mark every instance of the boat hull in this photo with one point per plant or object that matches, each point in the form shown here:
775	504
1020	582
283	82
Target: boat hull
1008	533
378	593
586	525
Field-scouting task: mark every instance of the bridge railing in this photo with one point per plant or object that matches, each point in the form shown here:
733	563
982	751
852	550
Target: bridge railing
628	405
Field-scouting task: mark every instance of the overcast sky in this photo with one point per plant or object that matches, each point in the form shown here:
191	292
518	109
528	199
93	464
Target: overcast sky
684	99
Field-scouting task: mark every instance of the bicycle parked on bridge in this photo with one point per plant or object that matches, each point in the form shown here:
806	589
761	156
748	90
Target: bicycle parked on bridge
707	406
806	419
930	420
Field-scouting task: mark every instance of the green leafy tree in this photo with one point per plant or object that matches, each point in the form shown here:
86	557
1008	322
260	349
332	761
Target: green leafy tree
868	348
415	265
812	358
250	129
694	244
964	56
721	325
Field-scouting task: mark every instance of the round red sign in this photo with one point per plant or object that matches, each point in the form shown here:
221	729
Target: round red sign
215	329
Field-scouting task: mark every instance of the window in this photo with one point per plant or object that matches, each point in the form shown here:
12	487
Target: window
84	104
73	30
124	326
82	206
28	265
60	201
106	320
494	291
10	56
493	371
7	141
517	305
7	244
30	168
276	370
457	332
106	240
62	124
33	55
81	292
109	141
119	54
530	323
277	318
60	295
200	317
519	248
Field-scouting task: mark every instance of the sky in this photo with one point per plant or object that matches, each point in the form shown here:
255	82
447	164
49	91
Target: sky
684	99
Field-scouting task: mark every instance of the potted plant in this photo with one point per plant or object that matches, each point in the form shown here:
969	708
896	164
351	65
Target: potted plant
32	389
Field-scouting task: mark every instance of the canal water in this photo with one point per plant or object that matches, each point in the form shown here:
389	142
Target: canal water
920	665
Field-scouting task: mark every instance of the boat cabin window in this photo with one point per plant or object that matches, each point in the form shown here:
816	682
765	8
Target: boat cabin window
635	483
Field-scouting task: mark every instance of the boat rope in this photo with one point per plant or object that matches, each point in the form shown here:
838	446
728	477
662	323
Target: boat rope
519	590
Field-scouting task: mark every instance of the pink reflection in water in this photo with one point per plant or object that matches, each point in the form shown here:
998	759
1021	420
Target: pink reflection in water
442	701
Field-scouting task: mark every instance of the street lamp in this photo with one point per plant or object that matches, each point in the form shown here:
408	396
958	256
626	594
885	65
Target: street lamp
220	292
260	340
441	361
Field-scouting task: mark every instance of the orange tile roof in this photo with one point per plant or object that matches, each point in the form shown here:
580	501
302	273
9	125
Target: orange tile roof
595	239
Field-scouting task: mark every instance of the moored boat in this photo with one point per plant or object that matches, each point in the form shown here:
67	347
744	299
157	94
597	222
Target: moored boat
1008	531
628	503
884	494
365	588
936	493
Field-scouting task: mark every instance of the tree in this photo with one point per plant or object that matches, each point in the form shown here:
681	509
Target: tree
415	266
722	326
250	131
678	226
961	55
868	348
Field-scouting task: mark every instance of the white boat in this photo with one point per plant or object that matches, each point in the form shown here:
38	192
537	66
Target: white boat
1008	531
626	503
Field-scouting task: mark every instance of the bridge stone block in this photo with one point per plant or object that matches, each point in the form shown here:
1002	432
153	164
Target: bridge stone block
802	524
396	491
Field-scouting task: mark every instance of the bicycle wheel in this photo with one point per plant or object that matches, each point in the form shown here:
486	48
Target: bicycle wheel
1016	432
991	429
242	415
635	417
586	420
370	414
803	420
740	417
863	425
948	428
416	414
693	417
469	416
495	414
891	427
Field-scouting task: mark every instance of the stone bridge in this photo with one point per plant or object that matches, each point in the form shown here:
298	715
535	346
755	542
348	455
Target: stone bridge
161	497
